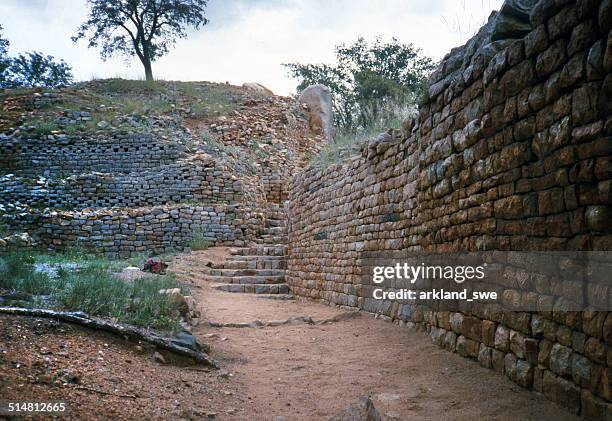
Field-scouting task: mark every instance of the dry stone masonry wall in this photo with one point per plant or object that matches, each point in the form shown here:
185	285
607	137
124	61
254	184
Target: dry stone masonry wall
512	152
122	193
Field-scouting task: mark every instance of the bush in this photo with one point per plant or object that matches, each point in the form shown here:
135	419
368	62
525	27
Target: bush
347	141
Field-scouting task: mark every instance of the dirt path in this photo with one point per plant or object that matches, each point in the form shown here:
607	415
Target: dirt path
310	372
290	372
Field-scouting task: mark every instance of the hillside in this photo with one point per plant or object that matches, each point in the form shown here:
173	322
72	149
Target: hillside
106	146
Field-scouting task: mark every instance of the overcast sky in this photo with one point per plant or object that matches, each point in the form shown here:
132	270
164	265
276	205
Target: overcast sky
248	40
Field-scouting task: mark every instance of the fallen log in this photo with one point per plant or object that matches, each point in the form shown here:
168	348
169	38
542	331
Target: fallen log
129	332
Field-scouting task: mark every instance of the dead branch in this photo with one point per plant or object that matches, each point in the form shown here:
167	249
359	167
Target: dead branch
129	332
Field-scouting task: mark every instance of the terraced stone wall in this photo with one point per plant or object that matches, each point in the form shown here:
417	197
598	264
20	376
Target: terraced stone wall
62	155
512	152
122	194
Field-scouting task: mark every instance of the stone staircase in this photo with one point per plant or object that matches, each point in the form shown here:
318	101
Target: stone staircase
259	268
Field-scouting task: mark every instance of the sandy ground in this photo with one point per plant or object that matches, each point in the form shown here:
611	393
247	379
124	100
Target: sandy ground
289	372
311	372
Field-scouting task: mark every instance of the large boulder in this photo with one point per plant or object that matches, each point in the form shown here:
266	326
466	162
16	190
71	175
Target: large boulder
318	99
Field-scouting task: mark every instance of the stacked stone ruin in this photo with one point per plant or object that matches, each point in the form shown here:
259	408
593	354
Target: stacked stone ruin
513	151
122	193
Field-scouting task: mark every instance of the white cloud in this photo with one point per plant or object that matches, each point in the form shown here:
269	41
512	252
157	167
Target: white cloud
248	40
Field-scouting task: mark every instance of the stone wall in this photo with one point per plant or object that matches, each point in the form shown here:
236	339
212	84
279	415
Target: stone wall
62	155
512	152
199	179
123	193
121	232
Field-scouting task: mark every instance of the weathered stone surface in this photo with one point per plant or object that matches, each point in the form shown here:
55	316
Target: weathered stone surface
593	408
561	391
502	338
488	332
561	360
467	347
318	98
524	373
484	356
511	153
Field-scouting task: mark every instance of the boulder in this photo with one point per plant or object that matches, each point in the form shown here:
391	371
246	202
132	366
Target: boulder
256	87
19	240
178	299
318	99
362	410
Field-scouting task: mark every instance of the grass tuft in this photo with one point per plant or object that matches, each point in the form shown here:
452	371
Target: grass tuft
199	242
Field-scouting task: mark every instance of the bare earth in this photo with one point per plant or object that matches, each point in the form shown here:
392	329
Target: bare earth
288	372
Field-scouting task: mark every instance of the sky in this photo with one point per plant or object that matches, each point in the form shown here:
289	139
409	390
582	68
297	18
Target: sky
249	40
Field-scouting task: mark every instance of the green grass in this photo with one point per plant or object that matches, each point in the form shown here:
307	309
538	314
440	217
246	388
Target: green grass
43	127
92	288
199	242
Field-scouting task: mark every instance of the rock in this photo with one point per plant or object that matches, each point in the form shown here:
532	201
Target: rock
318	98
257	87
187	340
598	217
176	298
561	391
46	378
524	373
103	124
561	360
379	144
362	410
159	358
512	21
502	338
131	273
19	240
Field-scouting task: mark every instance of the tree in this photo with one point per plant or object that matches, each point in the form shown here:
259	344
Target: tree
35	69
4	58
368	79
143	28
31	69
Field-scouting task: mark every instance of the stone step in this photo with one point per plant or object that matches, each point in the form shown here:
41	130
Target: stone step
276	296
275	231
246	272
254	288
255	263
242	257
272	240
275	223
261	251
247	280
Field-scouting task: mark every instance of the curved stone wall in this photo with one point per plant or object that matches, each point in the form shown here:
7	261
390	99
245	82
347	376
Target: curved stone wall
512	152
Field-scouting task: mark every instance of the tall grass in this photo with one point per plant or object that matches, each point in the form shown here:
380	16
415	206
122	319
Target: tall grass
377	118
91	288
